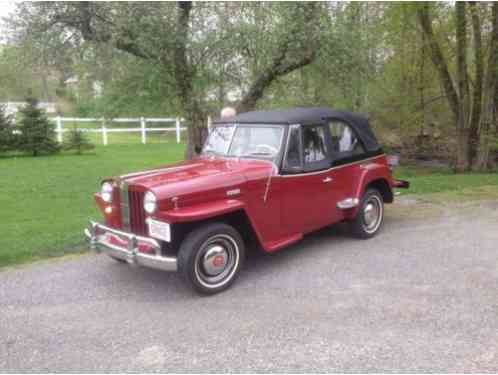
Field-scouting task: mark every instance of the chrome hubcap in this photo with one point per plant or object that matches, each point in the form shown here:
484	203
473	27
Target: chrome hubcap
215	260
372	214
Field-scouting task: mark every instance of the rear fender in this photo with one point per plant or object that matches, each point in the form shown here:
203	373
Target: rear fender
373	174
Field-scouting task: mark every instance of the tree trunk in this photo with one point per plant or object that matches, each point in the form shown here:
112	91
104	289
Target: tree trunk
488	121
462	161
184	74
196	130
422	84
475	116
456	99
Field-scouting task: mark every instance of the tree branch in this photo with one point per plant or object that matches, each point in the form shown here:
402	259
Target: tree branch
281	65
124	40
438	58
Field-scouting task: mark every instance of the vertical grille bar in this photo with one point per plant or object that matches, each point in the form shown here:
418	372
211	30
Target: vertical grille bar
125	206
134	218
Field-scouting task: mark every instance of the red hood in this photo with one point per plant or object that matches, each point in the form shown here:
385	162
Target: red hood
199	175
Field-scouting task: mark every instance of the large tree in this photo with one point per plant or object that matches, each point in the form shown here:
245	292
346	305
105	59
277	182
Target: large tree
188	40
473	104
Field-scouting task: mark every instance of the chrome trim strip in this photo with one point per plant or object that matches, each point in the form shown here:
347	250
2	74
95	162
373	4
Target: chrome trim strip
231	193
268	182
130	254
348	203
333	168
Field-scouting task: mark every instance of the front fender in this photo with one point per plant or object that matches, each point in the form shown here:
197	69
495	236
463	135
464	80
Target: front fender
200	211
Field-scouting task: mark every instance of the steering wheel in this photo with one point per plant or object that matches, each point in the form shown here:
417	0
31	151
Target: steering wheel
272	150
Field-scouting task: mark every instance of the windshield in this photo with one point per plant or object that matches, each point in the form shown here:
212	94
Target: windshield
255	141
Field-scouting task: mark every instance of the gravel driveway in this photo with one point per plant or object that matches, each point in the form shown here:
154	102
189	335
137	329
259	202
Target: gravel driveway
421	296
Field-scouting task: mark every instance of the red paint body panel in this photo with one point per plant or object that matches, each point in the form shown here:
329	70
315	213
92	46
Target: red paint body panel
281	209
200	211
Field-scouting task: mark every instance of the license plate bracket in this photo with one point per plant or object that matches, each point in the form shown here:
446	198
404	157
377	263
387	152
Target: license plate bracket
159	230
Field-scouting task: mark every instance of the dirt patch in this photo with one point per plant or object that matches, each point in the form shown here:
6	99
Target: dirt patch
410	209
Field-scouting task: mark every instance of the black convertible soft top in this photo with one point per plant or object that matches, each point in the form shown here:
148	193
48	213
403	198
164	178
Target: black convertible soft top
307	116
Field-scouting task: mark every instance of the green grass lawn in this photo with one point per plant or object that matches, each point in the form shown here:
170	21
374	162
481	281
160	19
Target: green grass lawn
45	202
437	180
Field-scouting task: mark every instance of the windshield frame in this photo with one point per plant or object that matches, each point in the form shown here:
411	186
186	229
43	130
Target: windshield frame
274	159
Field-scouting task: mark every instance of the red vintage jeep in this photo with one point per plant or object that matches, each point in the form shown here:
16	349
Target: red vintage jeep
264	177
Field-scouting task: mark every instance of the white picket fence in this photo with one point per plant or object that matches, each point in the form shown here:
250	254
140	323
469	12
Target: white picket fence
104	130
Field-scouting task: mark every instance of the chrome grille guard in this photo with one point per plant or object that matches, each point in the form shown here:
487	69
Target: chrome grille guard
96	234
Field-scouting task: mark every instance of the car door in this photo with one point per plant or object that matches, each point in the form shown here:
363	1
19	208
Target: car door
347	151
306	180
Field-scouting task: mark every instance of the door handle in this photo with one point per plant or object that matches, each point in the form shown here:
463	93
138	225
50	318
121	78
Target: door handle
327	179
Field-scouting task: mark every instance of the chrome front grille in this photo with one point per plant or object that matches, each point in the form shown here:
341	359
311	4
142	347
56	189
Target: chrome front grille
132	211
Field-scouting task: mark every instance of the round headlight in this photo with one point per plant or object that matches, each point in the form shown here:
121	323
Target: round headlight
106	192
150	202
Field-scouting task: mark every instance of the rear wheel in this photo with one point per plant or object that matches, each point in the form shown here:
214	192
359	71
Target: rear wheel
370	216
211	257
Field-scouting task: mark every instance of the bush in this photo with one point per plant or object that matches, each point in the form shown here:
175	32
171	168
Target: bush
78	141
37	132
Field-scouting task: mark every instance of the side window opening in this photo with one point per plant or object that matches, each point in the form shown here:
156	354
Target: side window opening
293	160
343	139
314	144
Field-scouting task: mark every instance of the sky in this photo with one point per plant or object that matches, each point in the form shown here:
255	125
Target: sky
6	7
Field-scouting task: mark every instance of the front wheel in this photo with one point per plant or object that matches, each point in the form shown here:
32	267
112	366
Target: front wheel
370	216
211	257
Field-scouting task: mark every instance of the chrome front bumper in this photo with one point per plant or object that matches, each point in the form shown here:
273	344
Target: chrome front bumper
98	236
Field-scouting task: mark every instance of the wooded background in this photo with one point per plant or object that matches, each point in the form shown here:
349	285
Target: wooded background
425	73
